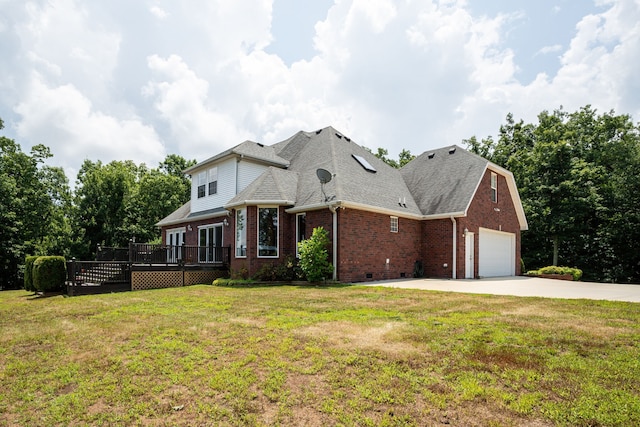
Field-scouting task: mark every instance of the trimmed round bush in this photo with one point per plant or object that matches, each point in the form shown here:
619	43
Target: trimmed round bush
28	273
49	273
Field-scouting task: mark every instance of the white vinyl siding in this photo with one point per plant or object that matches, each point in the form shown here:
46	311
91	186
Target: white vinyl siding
248	172
232	176
225	188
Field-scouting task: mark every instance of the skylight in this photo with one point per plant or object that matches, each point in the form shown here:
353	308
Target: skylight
364	163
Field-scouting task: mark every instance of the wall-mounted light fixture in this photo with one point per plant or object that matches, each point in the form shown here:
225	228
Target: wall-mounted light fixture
189	227
466	231
225	222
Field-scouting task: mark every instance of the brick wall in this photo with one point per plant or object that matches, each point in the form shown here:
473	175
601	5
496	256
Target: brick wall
366	243
438	248
482	213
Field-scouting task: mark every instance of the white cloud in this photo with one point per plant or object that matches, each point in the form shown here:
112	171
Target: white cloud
182	100
158	12
137	80
64	116
550	49
65	46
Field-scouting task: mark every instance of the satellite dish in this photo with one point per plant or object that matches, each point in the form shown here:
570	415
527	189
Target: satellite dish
323	175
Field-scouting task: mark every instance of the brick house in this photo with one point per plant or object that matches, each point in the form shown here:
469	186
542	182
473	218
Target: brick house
452	212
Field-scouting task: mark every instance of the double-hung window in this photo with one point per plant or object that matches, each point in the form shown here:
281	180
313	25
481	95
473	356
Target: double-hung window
494	187
268	232
213	181
394	224
202	182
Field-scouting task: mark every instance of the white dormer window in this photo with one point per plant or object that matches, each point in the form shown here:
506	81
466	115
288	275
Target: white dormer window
213	181
202	182
494	187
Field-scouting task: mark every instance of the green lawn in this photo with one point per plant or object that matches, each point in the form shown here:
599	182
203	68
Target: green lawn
206	355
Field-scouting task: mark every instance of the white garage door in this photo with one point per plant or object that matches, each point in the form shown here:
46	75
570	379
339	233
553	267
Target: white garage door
497	252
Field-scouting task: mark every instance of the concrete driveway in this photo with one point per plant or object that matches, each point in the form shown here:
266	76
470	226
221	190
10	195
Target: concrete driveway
522	287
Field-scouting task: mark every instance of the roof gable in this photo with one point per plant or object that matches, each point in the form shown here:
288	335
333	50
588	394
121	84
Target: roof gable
248	150
274	186
351	183
443	181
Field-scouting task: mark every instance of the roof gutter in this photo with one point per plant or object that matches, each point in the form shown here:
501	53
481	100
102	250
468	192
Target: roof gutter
260	202
193	218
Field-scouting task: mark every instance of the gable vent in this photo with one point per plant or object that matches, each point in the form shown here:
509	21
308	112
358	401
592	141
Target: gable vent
452	150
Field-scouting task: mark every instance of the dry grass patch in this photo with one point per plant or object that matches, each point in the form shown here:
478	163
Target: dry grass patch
347	335
258	356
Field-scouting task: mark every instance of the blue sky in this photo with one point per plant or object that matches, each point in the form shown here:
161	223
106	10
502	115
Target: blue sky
139	80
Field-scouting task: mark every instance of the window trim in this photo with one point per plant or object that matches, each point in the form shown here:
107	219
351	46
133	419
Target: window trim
244	209
395	224
494	187
298	216
277	255
212	173
201	189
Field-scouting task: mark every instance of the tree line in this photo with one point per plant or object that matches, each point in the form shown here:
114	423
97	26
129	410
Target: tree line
578	174
40	214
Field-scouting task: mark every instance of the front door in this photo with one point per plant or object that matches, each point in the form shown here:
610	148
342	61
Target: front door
469	257
210	242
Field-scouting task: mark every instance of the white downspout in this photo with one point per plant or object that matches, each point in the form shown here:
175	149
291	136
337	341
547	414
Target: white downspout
455	248
335	241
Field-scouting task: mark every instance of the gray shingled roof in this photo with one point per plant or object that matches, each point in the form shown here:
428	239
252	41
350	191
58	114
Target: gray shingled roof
438	182
351	183
444	181
248	149
184	213
274	185
176	216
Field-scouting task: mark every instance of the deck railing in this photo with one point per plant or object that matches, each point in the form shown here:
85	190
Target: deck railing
148	253
143	253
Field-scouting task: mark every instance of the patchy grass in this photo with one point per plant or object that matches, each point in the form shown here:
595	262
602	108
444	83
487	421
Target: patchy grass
207	355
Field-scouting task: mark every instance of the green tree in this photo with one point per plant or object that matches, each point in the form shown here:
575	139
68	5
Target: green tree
33	209
101	199
404	157
578	179
174	165
120	201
